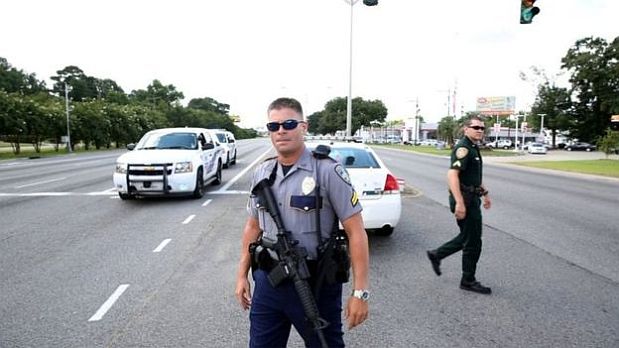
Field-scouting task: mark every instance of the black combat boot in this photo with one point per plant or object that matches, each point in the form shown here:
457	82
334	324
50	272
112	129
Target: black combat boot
436	262
475	286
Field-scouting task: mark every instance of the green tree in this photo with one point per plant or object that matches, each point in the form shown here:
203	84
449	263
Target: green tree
158	95
594	67
609	143
448	129
209	104
333	117
13	80
82	87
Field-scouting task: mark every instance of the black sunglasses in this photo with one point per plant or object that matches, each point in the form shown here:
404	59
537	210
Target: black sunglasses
478	127
288	125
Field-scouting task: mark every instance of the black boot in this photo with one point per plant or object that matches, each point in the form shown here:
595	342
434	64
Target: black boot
436	262
475	286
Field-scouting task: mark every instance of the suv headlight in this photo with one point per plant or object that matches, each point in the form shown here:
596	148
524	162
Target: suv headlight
183	167
121	168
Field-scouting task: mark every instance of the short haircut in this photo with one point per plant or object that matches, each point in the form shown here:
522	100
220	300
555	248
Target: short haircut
290	103
470	120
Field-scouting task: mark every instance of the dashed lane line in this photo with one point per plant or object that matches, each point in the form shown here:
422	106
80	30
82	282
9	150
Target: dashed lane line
109	303
188	219
162	245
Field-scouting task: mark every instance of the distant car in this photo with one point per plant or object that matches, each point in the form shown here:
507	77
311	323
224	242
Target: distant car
580	146
169	161
377	187
501	144
227	140
537	148
428	142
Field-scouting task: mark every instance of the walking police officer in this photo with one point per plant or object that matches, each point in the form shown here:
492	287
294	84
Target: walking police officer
465	193
312	192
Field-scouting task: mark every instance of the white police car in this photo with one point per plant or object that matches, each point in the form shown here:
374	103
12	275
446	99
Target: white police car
169	161
377	187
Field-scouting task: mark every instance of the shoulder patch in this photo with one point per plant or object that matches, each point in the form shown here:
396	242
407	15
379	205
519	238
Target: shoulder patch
342	173
354	199
456	164
462	152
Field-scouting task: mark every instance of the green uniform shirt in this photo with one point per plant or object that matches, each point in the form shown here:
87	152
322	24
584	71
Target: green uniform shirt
466	158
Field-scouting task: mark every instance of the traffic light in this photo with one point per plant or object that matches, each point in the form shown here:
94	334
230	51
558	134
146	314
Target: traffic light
370	2
527	11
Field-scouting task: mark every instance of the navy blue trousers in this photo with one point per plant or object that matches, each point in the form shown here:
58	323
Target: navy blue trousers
274	310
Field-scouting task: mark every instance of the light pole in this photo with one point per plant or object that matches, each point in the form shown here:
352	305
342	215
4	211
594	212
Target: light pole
66	101
541	128
349	101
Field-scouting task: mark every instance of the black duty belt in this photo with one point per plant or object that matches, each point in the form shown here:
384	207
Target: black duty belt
477	190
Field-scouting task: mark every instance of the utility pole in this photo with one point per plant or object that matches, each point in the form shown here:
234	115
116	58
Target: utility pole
66	102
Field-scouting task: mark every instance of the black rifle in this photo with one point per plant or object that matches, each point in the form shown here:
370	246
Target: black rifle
292	264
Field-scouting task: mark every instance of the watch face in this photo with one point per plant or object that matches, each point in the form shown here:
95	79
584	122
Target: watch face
362	294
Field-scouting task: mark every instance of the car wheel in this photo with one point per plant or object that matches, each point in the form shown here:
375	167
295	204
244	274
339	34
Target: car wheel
125	196
227	164
198	192
588	150
569	149
217	180
385	231
234	158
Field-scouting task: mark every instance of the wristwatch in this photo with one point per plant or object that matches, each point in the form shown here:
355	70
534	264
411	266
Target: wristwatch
363	295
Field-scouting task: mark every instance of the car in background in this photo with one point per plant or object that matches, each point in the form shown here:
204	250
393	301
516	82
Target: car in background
377	187
580	146
169	161
227	140
428	142
537	148
501	144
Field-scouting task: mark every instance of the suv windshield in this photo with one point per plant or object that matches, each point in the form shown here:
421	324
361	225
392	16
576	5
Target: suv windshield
158	141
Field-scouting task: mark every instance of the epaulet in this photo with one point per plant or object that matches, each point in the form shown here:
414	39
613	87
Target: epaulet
321	152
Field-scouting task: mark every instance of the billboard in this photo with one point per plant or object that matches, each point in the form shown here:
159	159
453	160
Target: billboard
496	105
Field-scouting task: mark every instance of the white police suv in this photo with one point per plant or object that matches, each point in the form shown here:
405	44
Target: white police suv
169	161
227	140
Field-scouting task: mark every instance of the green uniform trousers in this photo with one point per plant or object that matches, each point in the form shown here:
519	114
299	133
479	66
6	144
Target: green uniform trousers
468	240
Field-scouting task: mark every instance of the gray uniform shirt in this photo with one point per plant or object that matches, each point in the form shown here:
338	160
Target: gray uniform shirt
295	196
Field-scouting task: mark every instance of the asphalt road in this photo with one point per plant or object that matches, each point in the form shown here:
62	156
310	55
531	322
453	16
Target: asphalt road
81	268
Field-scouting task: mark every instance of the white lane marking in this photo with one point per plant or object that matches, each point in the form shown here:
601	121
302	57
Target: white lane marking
109	303
236	192
40	183
113	195
188	219
239	175
162	245
206	202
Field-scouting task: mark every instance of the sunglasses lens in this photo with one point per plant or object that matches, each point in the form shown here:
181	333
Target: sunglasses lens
478	128
290	124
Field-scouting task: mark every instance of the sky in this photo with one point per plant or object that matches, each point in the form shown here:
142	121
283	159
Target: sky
246	53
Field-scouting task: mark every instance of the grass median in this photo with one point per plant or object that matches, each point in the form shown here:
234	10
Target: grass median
603	167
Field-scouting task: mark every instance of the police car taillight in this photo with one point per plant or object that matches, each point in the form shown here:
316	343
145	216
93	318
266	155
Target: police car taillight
391	184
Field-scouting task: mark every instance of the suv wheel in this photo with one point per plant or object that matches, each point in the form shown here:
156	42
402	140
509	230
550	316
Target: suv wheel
198	192
124	196
217	180
227	164
234	158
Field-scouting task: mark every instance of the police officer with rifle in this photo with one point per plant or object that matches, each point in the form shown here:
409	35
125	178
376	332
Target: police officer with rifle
298	257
